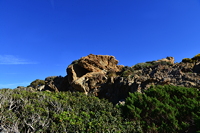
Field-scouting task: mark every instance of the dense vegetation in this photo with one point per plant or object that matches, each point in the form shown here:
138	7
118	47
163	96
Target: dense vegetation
25	112
191	60
165	109
37	83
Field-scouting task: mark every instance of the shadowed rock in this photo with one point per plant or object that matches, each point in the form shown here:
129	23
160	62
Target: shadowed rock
100	75
88	73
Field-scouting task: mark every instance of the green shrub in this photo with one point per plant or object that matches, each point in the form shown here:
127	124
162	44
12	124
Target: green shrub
159	109
142	65
150	64
165	109
196	57
187	60
192	60
161	63
126	71
36	83
75	62
23	111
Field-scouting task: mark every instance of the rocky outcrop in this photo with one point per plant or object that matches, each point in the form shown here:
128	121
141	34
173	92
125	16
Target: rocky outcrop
97	63
167	59
101	76
56	83
180	74
88	73
52	83
196	67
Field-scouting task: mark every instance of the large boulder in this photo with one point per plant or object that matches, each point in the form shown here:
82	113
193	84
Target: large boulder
56	83
196	67
97	63
89	73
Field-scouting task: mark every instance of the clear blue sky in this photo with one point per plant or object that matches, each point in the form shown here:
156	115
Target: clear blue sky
40	38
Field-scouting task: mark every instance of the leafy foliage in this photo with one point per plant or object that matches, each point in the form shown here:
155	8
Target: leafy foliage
160	109
142	65
150	64
24	111
165	109
196	57
161	63
37	83
187	60
75	62
192	60
127	71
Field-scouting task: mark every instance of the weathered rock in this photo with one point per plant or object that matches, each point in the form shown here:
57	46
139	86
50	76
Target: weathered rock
168	59
41	88
196	68
100	75
22	88
51	84
97	63
56	83
88	73
155	75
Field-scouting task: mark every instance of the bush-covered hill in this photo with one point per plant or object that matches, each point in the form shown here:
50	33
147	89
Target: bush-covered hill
166	109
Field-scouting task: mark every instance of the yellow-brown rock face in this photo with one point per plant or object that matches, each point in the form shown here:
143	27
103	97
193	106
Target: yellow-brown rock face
89	72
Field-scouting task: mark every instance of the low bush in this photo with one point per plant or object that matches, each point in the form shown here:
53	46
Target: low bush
161	63
150	64
187	60
196	57
165	109
47	112
126	71
192	60
36	83
141	65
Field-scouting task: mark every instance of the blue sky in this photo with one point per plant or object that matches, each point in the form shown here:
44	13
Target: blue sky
40	38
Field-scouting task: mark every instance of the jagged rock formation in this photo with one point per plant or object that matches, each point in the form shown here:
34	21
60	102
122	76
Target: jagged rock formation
56	83
179	74
89	73
52	83
167	59
100	75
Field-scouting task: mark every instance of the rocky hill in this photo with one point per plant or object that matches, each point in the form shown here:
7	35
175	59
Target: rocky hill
101	76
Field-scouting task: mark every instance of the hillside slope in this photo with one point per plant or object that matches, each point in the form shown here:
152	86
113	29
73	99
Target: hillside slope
100	75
